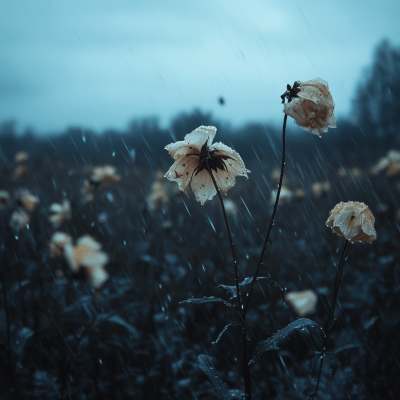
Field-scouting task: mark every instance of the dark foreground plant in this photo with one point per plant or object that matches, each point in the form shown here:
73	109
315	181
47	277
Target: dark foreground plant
198	163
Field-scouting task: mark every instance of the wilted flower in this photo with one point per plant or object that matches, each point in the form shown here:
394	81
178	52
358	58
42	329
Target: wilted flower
195	155
284	197
21	157
87	191
86	256
106	174
57	243
303	303
320	188
357	172
20	172
157	197
311	105
4	198
342	173
27	199
352	221
300	194
19	219
61	212
390	163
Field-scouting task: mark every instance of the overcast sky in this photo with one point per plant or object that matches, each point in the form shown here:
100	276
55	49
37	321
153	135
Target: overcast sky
99	64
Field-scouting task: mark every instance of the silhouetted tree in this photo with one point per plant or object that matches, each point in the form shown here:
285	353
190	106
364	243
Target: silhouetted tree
377	102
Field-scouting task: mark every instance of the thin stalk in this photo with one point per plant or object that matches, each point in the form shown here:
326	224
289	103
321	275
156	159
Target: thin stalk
245	366
10	366
331	314
271	222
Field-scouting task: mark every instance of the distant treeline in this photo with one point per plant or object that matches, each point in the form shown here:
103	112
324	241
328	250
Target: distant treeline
374	123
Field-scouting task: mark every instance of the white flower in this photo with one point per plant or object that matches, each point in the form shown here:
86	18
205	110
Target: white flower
19	219
57	243
195	156
61	212
311	105
21	156
27	199
303	303
284	197
105	175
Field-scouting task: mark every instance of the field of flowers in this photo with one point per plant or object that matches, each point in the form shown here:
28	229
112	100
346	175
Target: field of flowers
98	249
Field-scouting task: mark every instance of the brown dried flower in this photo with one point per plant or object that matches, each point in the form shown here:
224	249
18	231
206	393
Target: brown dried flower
27	199
352	221
57	243
311	105
20	171
194	154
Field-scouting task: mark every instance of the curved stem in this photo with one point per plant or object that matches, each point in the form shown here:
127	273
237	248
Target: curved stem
331	314
245	366
271	222
230	238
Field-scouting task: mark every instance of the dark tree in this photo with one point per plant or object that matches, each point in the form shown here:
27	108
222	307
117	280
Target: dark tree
377	102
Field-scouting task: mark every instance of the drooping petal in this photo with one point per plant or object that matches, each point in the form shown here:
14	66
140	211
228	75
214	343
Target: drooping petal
192	142
224	179
203	187
234	164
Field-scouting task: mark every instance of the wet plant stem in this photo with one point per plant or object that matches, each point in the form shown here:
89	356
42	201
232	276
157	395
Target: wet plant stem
245	366
271	222
331	315
10	366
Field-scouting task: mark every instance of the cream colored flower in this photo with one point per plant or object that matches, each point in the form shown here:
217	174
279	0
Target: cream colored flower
320	188
300	194
157	197
284	197
19	219
390	163
57	243
352	221
4	198
303	303
27	199
342	173
195	155
87	191
61	212
106	174
357	172
21	157
87	255
311	105
20	172
230	207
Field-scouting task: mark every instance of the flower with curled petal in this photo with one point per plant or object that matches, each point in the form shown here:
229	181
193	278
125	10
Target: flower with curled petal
311	105
196	157
352	221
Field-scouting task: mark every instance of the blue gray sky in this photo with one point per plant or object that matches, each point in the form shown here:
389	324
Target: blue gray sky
101	63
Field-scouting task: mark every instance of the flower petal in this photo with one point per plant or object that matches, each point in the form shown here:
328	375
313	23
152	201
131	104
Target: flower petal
192	142
234	164
203	187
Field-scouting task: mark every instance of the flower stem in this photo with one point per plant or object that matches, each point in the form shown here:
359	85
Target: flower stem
331	314
245	365
271	222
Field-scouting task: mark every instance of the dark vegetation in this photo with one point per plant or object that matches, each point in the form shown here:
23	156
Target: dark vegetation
132	338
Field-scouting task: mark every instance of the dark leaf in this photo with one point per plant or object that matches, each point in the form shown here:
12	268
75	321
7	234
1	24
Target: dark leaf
224	330
313	365
333	364
211	299
232	289
219	389
303	325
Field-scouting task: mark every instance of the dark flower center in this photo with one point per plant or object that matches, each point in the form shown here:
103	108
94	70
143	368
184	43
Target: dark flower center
291	92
